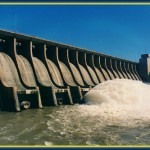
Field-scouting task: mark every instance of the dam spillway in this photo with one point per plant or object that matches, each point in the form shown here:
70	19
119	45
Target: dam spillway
36	72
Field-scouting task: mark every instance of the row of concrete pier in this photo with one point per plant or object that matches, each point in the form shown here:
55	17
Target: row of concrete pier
36	72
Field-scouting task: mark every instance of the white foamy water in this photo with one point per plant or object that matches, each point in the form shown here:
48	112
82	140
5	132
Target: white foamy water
118	112
122	93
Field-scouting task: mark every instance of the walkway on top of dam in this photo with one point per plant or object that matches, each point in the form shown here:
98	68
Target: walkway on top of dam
4	33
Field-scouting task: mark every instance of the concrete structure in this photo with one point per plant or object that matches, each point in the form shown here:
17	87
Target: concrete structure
144	67
36	72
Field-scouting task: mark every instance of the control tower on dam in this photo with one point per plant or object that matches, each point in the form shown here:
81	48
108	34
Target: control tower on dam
144	66
35	72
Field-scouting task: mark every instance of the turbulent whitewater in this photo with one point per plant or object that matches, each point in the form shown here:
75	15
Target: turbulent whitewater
117	112
125	93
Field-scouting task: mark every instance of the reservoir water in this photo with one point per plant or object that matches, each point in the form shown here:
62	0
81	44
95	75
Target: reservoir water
117	113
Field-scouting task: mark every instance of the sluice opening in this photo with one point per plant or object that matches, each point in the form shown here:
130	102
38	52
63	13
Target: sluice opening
25	105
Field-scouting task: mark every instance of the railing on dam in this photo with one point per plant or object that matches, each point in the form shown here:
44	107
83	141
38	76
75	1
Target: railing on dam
36	72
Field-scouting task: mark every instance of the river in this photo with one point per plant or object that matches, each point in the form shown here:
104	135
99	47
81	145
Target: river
118	115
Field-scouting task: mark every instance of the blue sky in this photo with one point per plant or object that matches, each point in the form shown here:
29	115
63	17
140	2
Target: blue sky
122	31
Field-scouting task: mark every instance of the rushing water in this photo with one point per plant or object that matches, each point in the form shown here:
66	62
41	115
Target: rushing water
117	112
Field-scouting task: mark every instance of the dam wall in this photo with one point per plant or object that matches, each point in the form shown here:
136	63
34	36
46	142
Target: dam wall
36	72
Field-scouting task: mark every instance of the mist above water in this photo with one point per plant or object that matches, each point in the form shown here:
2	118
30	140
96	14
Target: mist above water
124	93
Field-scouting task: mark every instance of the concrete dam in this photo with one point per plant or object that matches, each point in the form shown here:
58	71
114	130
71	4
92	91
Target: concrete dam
35	72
